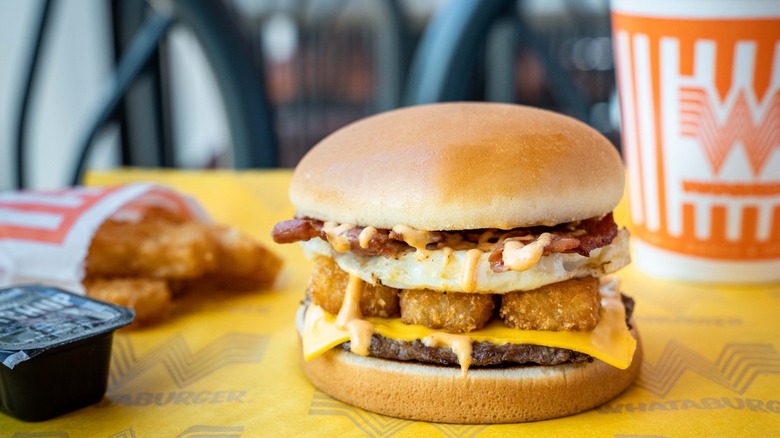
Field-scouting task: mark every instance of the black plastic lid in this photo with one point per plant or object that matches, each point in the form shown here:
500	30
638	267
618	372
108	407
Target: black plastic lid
36	318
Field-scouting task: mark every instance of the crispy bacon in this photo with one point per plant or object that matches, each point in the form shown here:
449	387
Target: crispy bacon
562	244
580	238
590	234
384	242
598	233
295	230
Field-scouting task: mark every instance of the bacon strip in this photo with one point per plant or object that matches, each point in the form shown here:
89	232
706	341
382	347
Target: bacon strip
384	242
591	234
295	230
580	238
598	233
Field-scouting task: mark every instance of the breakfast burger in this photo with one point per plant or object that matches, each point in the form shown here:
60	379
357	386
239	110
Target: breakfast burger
461	258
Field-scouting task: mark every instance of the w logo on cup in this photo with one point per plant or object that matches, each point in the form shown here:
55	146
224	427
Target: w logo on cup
741	119
720	137
700	97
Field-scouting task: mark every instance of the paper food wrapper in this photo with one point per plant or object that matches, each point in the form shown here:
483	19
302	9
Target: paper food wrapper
45	235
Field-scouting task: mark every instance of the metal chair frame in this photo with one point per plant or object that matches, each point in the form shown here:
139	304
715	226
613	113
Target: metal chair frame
239	76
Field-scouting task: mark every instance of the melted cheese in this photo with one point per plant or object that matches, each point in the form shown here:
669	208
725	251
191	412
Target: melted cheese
610	341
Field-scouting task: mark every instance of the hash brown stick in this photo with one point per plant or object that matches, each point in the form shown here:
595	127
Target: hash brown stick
454	312
571	305
149	298
239	261
328	285
151	248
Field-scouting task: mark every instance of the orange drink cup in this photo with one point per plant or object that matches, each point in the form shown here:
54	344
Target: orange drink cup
699	86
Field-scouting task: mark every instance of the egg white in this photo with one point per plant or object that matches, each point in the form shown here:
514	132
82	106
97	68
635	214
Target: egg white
441	272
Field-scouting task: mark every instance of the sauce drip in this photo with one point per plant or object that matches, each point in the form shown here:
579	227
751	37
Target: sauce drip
365	236
468	273
360	332
351	318
336	235
483	243
460	345
417	239
446	259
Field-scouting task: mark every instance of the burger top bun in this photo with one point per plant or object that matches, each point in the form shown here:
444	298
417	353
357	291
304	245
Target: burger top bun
459	166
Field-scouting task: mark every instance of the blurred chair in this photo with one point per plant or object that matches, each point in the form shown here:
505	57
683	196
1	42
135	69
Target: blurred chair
493	44
335	61
238	72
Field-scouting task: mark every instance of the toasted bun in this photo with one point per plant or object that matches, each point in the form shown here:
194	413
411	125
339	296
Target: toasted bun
458	166
488	395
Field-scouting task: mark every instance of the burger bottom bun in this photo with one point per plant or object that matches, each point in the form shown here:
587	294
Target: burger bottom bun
434	393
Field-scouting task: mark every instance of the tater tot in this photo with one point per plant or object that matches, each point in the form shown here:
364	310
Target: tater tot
571	305
150	298
145	256
151	248
242	263
328	283
454	312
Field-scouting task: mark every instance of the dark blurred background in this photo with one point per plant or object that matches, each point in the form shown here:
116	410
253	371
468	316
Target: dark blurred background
256	83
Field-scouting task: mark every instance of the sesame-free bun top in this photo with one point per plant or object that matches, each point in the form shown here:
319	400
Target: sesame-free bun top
459	166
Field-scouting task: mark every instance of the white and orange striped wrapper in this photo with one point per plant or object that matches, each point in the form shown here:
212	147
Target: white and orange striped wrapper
45	235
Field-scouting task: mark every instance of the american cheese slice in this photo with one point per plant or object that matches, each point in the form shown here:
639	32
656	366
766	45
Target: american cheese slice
610	341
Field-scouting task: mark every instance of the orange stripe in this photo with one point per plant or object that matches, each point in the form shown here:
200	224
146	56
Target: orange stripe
69	216
688	220
749	232
762	73
718	224
731	189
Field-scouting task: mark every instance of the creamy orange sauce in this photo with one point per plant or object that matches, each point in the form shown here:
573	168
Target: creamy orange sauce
520	257
336	235
468	273
350	307
454	241
460	345
351	319
417	239
446	259
365	236
360	332
524	239
483	243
